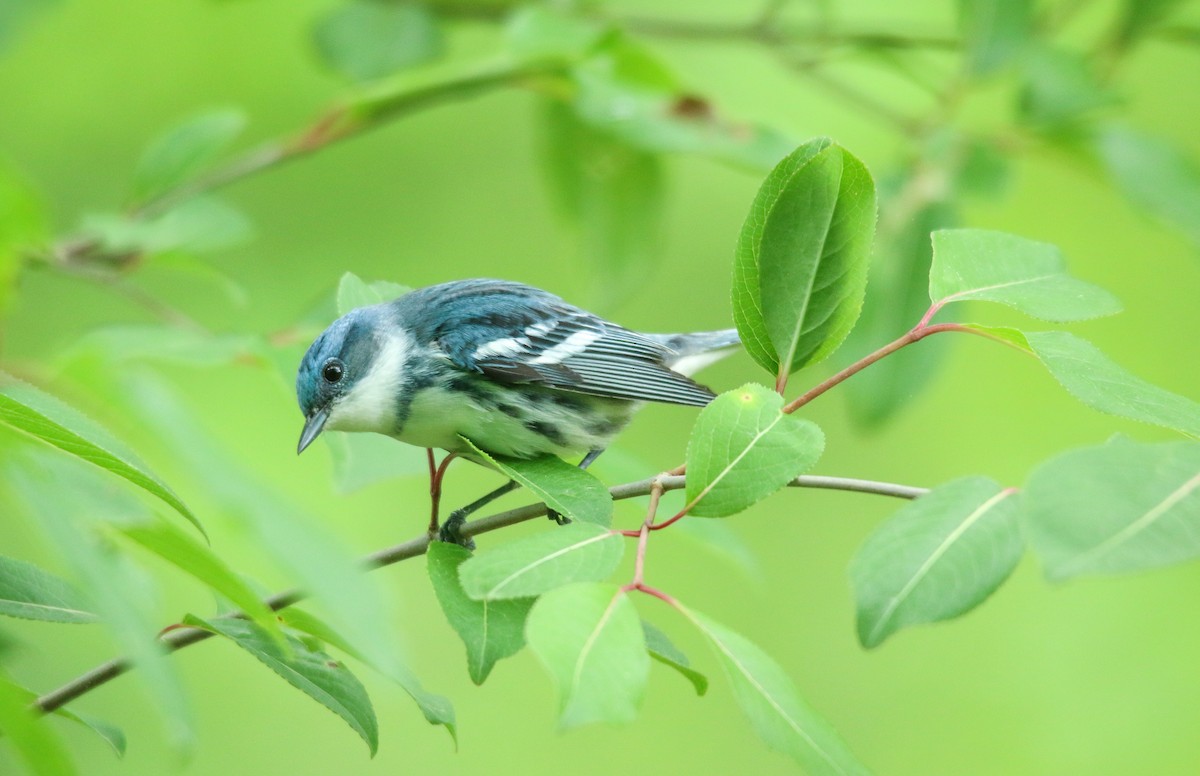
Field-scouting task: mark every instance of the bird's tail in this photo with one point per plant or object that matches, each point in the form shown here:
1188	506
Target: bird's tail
695	351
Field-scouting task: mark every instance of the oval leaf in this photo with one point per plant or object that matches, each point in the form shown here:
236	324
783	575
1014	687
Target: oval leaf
800	270
743	449
567	489
40	415
995	32
590	639
767	696
578	552
28	592
491	630
1154	175
311	671
184	151
1123	506
1027	275
28	735
363	40
936	558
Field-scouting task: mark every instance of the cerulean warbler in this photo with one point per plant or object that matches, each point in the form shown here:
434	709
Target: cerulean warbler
512	368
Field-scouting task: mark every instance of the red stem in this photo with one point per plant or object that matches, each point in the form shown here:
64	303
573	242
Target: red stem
437	473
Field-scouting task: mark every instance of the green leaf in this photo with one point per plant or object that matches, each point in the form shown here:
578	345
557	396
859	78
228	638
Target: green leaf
200	224
185	151
1091	377
566	489
22	222
743	449
1026	275
110	734
1119	507
800	270
662	650
354	292
537	32
180	550
611	191
936	558
67	500
579	552
1153	175
40	415
491	630
589	637
776	711
364	40
1061	89
719	538
436	709
313	672
361	460
30	736
29	592
897	295
122	343
996	32
1139	17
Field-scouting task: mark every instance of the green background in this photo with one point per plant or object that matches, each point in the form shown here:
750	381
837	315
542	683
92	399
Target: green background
1098	676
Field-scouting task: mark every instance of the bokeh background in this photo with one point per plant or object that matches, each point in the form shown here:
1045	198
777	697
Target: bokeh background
1098	676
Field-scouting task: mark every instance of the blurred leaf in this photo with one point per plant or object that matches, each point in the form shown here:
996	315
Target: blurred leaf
363	40
109	733
1138	17
491	630
313	672
28	734
801	266
720	539
22	220
566	489
743	449
28	592
996	32
184	151
897	295
122	343
42	416
623	89
14	14
579	552
610	190
589	637
1026	275
1060	88
1119	507
662	650
198	561
537	32
1091	377
936	558
984	171
354	292
200	224
436	709
361	460
195	272
311	554
63	497
1154	175
780	717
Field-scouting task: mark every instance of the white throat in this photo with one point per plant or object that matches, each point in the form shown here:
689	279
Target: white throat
370	405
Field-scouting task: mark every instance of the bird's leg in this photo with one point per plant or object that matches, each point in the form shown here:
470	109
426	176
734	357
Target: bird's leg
436	474
586	462
452	530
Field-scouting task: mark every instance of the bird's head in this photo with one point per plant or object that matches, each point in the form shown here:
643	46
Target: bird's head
350	376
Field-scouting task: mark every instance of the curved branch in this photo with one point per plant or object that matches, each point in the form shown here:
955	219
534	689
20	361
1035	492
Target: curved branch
179	638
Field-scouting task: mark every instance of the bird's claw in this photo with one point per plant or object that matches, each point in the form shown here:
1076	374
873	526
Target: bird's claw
451	531
558	517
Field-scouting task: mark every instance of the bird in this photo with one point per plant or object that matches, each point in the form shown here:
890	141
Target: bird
515	369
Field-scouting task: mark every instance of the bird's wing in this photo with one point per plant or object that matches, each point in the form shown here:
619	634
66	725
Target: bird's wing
517	334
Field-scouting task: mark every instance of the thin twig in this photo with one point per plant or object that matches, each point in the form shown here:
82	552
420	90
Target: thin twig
182	637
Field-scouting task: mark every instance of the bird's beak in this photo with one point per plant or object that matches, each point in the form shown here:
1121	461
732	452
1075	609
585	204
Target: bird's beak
312	427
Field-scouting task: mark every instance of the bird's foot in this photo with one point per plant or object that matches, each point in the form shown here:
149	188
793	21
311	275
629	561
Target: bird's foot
451	531
557	517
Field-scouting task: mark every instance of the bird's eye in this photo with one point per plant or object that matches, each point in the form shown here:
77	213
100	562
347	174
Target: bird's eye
332	372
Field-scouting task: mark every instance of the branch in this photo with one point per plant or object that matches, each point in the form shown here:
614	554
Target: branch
179	638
